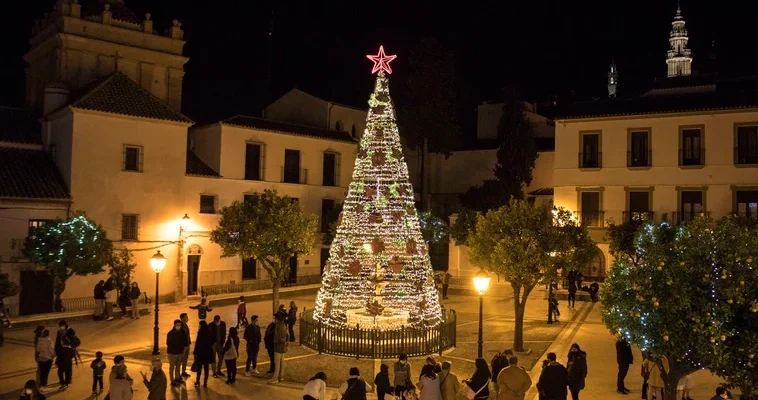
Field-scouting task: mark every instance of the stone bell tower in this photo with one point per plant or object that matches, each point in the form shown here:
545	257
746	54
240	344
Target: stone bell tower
679	57
81	41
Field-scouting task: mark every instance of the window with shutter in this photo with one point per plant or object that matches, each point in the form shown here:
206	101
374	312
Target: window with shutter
207	204
132	158
129	226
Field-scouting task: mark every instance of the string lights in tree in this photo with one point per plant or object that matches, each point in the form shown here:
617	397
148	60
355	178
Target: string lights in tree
379	274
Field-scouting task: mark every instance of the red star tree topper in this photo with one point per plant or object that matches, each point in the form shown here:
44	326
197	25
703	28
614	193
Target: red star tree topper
381	61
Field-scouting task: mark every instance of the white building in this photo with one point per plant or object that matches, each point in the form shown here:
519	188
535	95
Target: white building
106	138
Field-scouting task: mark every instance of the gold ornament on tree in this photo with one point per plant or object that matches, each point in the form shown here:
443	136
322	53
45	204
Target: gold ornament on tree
377	246
396	264
410	246
355	267
378	158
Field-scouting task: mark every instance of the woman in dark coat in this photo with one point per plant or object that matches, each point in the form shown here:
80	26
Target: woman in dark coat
480	381
576	370
204	354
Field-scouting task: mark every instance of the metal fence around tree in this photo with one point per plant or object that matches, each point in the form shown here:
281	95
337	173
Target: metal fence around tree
374	343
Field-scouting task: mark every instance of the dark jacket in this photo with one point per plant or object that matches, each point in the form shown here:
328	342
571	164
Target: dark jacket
218	332
356	389
382	381
477	382
292	315
252	336
157	385
624	353
186	330
553	382
268	339
135	292
576	370
499	362
99	292
176	341
203	352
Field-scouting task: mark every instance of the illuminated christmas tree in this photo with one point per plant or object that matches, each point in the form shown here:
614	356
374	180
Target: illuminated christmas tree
379	274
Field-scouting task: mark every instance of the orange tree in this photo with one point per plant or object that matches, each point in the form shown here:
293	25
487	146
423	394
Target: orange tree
525	243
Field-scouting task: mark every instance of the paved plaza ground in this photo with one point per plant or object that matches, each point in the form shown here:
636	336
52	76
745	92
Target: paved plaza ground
133	338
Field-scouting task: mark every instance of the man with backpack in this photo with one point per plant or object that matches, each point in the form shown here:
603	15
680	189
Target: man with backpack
499	362
66	344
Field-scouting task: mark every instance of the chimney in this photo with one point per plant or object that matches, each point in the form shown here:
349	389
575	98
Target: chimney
56	96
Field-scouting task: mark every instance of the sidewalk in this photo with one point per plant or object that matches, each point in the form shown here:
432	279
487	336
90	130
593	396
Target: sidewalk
593	337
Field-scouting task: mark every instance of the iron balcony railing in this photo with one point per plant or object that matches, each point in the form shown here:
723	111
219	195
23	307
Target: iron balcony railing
681	217
749	218
638	216
591	160
639	158
592	219
292	175
691	157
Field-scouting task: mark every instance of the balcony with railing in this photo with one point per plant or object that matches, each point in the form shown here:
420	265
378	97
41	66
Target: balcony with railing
638	216
591	219
639	158
681	217
691	157
293	175
591	160
749	218
744	155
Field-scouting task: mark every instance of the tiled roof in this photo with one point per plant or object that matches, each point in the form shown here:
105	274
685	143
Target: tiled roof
196	166
670	98
118	94
30	174
283	127
19	126
542	192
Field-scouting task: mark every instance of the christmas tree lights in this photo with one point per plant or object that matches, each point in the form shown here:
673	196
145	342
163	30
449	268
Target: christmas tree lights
379	274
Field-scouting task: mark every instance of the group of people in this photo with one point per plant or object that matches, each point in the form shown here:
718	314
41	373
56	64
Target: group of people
63	350
105	293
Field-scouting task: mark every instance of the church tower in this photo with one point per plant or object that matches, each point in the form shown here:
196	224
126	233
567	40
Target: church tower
679	57
82	41
613	80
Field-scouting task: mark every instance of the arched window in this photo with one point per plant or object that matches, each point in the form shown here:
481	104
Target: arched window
595	268
354	132
338	126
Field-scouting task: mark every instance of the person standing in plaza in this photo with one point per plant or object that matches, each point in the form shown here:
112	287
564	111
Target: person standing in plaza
594	288
479	382
355	388
499	361
231	353
429	384
624	359
204	354
134	297
109	289
185	357
402	374
98	370
382	381
268	340
572	294
252	338
513	381
449	383
202	309
281	341
218	332
99	295
656	366
45	350
176	341
576	370
120	384
65	351
553	380
291	320
445	284
157	384
37	334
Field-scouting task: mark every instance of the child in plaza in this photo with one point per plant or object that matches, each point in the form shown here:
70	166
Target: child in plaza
98	369
241	312
202	309
554	307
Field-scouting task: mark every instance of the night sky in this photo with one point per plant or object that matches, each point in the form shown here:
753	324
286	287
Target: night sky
544	47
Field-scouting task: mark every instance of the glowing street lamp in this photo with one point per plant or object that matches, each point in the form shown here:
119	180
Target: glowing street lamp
481	283
157	263
185	222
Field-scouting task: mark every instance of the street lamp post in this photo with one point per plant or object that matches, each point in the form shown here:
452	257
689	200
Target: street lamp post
157	262
481	283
